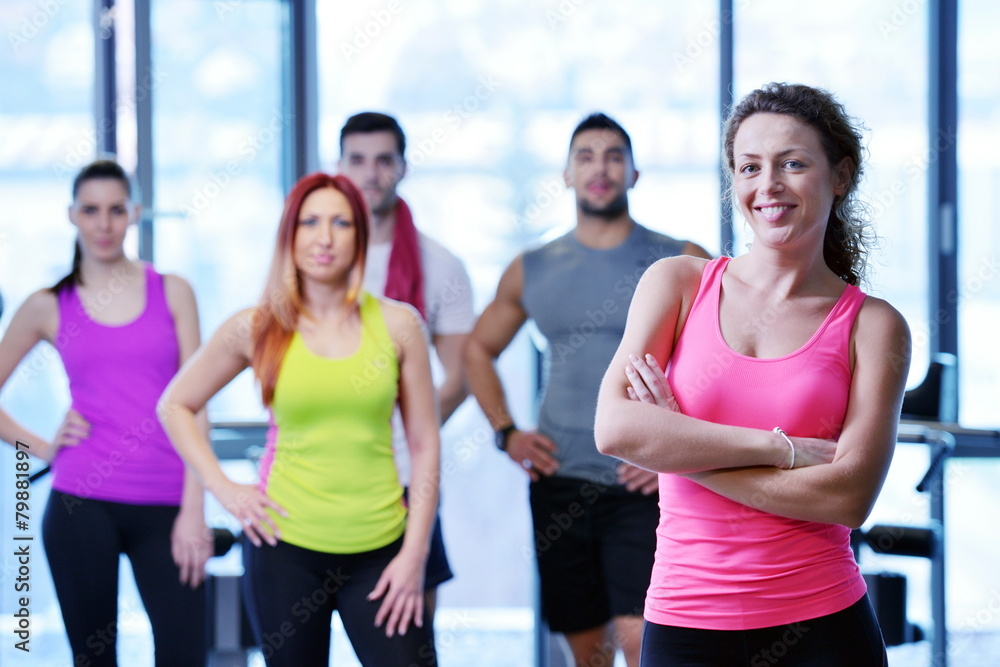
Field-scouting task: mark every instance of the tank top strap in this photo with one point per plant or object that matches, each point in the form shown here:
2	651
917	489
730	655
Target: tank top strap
373	322
156	293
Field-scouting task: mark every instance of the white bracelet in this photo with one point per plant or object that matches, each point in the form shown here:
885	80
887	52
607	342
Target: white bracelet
780	431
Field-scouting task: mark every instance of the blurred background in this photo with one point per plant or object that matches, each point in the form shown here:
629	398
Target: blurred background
218	105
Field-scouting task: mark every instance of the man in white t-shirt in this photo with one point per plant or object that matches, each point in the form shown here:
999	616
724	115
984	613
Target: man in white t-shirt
406	265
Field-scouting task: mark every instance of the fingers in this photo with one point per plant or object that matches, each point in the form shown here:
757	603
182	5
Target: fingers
533	452
73	430
251	507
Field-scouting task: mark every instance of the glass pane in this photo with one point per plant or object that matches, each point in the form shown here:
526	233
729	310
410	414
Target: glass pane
488	94
978	213
812	45
218	125
46	135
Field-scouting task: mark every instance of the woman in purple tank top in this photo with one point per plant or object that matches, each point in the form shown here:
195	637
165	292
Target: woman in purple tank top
122	330
773	424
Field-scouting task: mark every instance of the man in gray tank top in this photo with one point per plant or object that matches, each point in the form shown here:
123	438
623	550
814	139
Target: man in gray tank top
594	516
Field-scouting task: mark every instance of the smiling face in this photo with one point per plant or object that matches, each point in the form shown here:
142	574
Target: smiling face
102	213
325	245
601	171
783	180
373	163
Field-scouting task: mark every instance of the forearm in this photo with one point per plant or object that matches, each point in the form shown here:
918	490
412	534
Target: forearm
827	493
13	432
486	386
452	393
193	499
423	495
190	440
661	440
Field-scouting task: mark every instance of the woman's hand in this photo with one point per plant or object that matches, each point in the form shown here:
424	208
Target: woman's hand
191	545
249	506
73	429
402	585
648	383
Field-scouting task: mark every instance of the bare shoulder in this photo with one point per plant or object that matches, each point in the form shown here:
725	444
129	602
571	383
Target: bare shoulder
692	249
877	319
177	288
401	319
40	313
681	273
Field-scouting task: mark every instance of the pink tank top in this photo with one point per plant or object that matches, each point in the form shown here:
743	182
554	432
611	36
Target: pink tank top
721	565
116	375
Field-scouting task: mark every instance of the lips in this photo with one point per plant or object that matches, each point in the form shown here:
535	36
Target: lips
773	212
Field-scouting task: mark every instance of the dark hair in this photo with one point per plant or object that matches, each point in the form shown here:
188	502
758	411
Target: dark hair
108	169
848	232
372	121
600	121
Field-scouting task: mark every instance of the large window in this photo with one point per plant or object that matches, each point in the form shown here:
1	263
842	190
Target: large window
218	127
47	132
488	94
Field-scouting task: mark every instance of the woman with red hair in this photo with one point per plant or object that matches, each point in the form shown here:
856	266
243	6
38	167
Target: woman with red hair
327	523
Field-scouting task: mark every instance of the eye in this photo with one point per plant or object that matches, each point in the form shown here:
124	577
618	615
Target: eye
119	210
749	169
307	222
343	222
794	164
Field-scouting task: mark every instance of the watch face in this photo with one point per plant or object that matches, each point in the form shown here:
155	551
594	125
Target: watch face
501	437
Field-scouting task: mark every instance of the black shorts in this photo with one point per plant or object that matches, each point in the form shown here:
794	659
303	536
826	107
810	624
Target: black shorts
594	544
438	568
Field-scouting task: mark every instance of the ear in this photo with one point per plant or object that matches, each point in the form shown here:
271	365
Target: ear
635	177
567	179
842	173
71	214
404	169
136	214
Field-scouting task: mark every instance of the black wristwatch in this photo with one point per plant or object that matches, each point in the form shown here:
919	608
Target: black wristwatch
502	435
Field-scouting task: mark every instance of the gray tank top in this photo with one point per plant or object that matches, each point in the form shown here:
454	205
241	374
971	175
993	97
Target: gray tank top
578	298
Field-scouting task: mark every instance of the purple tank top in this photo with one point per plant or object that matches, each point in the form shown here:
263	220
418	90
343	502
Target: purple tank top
116	376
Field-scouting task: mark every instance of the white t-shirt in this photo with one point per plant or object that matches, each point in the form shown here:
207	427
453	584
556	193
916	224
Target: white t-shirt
448	302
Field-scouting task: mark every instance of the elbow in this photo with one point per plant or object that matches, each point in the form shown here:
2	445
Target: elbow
609	436
853	510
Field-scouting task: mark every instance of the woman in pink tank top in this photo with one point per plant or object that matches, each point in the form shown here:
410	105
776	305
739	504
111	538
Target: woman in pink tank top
774	422
121	330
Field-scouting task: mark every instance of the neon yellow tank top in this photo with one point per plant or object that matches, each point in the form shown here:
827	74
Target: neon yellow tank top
328	460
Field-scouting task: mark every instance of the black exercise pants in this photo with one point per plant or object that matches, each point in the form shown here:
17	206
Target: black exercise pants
83	541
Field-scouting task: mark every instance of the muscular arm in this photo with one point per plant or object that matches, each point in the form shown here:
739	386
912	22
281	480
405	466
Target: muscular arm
844	491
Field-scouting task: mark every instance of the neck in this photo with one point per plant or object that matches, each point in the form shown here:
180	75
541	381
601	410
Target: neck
325	300
787	274
383	226
98	271
603	233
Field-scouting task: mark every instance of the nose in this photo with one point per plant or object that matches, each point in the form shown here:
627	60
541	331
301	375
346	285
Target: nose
770	181
325	234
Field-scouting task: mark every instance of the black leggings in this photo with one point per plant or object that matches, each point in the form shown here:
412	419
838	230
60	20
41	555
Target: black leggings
291	593
848	638
83	541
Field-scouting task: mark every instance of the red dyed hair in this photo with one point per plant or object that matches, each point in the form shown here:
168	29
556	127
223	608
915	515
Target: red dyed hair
281	305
